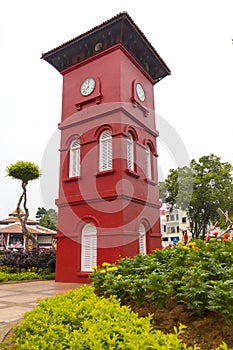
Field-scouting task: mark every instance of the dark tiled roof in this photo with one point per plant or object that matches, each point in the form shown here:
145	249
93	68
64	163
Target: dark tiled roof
120	29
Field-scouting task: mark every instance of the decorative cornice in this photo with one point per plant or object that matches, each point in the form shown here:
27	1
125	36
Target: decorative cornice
120	29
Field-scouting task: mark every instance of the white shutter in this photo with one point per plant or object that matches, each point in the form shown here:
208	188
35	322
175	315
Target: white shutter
105	161
142	239
75	158
89	247
130	152
148	163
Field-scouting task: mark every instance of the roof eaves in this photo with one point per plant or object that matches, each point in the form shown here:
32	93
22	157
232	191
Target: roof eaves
106	23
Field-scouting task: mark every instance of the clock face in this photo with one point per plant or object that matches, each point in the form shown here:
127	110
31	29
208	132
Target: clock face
87	87
140	92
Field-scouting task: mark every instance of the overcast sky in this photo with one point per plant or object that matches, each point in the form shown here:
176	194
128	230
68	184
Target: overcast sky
194	104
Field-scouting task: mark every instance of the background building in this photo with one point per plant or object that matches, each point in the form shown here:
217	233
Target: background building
174	224
11	236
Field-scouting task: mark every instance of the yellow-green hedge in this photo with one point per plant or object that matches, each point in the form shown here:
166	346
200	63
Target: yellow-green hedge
81	320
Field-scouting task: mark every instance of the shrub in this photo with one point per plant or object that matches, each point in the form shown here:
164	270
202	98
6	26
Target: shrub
27	275
200	276
82	320
34	259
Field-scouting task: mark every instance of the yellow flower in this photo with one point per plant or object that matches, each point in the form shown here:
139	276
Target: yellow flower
119	277
104	264
114	268
94	268
111	268
102	271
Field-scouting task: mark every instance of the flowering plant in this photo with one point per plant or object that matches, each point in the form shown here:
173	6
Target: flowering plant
199	275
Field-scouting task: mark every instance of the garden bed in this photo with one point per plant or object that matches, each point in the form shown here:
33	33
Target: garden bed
208	332
190	285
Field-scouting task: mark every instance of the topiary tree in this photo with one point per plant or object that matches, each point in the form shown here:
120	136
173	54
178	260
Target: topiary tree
24	171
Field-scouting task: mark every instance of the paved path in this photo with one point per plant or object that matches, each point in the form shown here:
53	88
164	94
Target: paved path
17	298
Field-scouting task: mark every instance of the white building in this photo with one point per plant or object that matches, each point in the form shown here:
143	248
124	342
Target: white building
173	225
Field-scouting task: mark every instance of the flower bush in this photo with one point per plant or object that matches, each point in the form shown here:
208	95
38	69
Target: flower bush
199	275
29	260
27	265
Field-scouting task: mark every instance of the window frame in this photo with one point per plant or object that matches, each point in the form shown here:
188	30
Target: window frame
149	172
75	156
105	150
142	239
88	247
130	151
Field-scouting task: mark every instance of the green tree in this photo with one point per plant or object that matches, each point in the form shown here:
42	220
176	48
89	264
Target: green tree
177	189
200	189
53	215
47	218
40	212
24	171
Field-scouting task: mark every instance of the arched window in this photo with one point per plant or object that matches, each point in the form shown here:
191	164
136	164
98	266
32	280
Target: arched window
130	151
105	153
75	150
88	247
148	163
142	239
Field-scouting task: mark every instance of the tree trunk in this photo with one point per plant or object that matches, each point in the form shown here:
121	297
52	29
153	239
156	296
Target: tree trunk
204	228
23	220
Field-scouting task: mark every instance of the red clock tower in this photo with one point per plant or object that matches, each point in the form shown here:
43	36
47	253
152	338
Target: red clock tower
108	203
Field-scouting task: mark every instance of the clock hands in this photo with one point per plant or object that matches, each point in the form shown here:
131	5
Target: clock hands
87	86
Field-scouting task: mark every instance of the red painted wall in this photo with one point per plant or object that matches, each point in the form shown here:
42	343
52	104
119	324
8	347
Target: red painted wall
118	200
